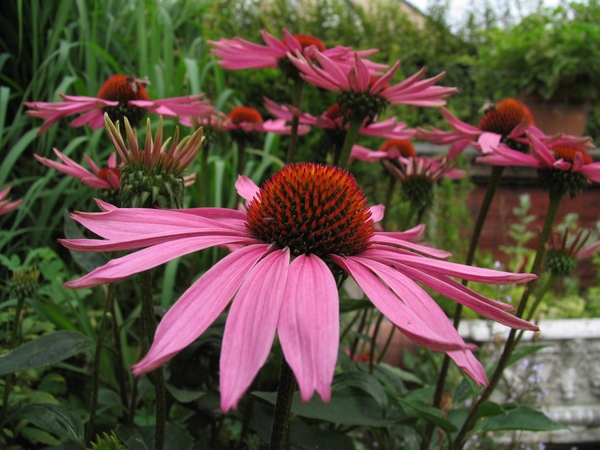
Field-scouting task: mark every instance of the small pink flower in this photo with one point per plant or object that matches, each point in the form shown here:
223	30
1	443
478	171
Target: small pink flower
249	120
239	54
332	119
119	96
306	217
327	74
6	205
107	178
423	167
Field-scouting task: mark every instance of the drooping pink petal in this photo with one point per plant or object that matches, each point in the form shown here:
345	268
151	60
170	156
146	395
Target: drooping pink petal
391	239
394	309
377	212
309	325
199	306
251	325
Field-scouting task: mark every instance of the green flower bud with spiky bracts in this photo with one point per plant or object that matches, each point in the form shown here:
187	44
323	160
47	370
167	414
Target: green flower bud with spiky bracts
24	282
106	442
564	251
154	175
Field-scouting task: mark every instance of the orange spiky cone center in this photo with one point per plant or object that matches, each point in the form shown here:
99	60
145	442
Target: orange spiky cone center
568	154
404	146
306	40
241	114
312	209
503	117
123	88
334	112
103	173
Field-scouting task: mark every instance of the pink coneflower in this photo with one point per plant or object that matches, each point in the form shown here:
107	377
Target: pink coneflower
390	149
6	205
238	53
505	122
305	218
120	96
364	95
249	120
106	178
333	120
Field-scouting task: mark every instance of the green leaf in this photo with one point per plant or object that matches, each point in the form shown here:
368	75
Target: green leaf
517	417
184	395
430	413
176	437
52	418
365	382
44	350
523	351
348	406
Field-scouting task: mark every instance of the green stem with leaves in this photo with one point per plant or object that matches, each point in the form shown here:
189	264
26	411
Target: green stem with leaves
283	406
296	103
511	342
157	376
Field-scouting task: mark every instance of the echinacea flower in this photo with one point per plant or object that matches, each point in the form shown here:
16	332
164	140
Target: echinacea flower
153	176
239	54
249	120
304	220
120	96
6	205
106	178
505	122
390	149
562	168
565	251
334	121
364	95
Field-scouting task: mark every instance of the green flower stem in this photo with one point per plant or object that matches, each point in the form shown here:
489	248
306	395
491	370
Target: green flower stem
14	339
374	343
490	192
387	344
413	208
89	428
297	103
349	142
389	195
361	325
157	375
241	145
510	344
539	295
121	373
283	406
203	176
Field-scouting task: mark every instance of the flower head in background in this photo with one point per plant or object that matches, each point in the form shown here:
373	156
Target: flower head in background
120	96
390	149
364	95
563	168
249	120
566	250
239	54
304	220
6	204
153	176
335	122
503	124
106	178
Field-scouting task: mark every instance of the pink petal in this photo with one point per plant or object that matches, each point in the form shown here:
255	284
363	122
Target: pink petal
246	188
199	306
391	239
394	309
309	325
377	212
251	325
